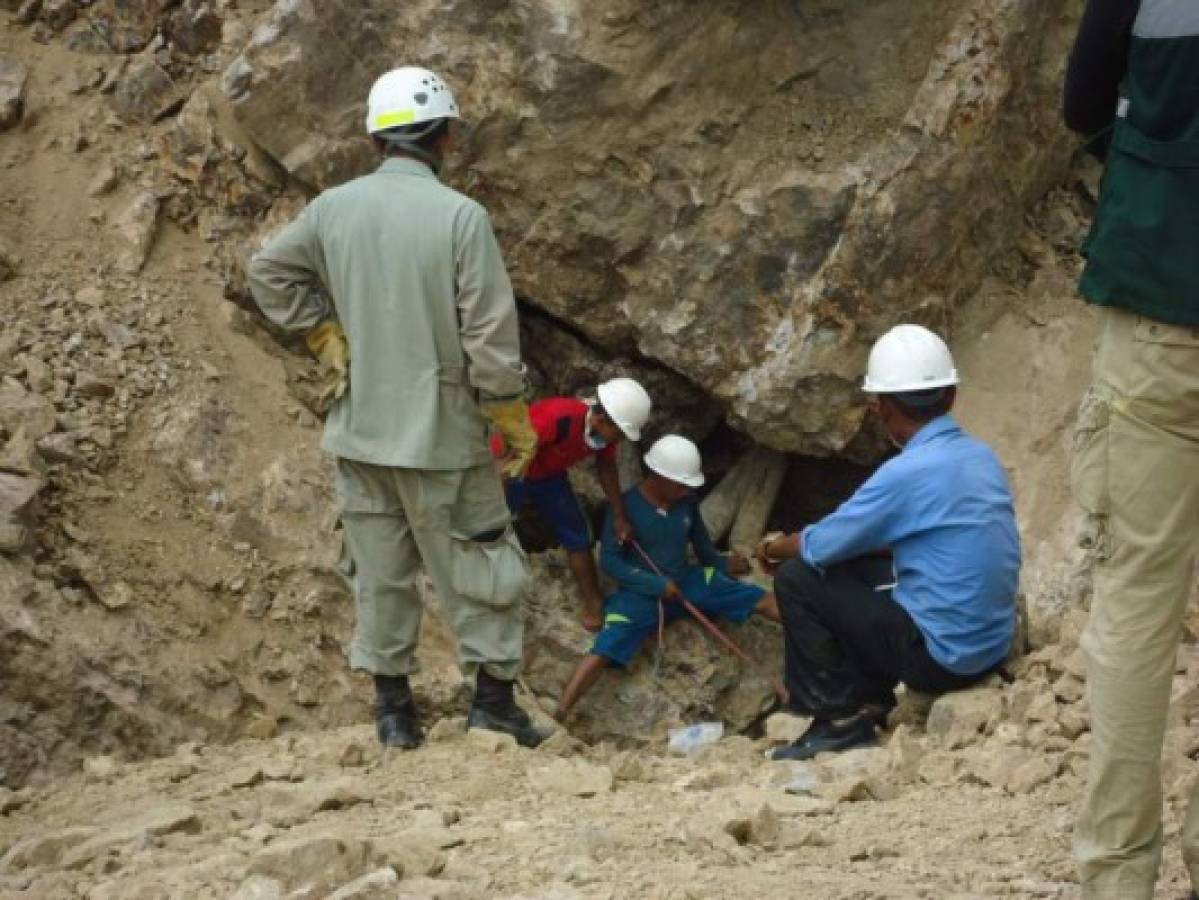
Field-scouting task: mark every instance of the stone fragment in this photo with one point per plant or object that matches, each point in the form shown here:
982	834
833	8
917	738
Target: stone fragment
145	93
1043	708
44	849
323	861
762	828
415	852
13	77
60	447
484	741
450	728
89	295
28	11
337	793
1032	774
1069	688
58	14
959	718
136	228
906	752
17	497
371	886
89	384
784	728
104	182
259	887
571	777
100	768
938	768
10	262
195	27
352	754
1073	722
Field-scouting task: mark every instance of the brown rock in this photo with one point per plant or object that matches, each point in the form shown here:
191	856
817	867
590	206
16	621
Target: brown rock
13	76
145	93
573	777
136	228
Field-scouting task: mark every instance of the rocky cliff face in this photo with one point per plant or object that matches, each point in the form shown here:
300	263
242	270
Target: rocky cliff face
746	193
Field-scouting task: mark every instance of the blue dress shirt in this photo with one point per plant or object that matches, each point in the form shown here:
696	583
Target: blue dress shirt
944	508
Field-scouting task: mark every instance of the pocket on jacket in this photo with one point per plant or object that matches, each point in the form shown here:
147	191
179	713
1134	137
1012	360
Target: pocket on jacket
495	573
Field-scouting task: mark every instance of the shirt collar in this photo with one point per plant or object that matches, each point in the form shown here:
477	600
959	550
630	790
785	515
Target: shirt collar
404	165
938	426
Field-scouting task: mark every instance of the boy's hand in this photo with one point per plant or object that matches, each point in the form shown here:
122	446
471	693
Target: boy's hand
623	529
672	594
738	564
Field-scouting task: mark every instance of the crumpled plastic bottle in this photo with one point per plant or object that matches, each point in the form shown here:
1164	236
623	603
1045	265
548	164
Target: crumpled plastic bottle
690	738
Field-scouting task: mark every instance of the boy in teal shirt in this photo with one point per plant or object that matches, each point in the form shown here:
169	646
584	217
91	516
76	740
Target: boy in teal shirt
665	517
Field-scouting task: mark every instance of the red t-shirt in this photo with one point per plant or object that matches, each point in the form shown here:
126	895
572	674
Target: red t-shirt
560	423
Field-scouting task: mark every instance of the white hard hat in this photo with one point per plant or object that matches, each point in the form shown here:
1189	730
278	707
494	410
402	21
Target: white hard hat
676	458
408	96
627	404
909	358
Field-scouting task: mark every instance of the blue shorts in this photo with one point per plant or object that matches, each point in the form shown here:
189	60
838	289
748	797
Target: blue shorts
630	618
555	501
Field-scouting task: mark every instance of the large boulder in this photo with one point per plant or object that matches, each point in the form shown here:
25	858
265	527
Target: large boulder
748	193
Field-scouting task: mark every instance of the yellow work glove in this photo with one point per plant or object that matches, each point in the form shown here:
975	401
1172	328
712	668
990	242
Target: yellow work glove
511	420
328	343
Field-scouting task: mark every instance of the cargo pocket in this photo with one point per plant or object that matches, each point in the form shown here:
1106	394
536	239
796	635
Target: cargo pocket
495	573
1090	476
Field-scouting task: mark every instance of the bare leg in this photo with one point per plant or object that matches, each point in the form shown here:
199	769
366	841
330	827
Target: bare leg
768	606
582	564
580	683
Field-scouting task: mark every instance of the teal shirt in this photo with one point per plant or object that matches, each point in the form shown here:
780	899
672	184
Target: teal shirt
666	535
413	272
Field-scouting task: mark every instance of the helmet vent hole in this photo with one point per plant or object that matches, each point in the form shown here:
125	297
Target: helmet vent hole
422	98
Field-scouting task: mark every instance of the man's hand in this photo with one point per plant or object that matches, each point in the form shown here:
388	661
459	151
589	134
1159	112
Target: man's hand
775	549
511	420
738	564
623	528
328	343
672	594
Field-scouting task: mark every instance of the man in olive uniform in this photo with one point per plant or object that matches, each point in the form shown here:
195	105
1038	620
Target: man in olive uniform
1132	87
397	283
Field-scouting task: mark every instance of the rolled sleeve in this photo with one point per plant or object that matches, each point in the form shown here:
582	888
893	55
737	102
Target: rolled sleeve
284	277
872	518
486	309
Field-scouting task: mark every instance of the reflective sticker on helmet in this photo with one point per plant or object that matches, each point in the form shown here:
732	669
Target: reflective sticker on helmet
392	119
616	619
709	574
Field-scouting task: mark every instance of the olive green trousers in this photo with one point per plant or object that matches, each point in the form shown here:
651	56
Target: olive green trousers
455	525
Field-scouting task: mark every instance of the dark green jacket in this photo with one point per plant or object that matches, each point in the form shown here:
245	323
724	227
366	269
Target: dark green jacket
1143	249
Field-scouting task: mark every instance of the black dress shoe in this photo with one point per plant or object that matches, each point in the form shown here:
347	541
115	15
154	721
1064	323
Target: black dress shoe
828	736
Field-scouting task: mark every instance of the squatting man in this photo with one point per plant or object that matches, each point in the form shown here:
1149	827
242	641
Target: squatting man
397	284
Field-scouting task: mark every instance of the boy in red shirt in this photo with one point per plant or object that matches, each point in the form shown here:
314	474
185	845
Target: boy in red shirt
568	431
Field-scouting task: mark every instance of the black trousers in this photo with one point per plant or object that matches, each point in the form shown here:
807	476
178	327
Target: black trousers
848	644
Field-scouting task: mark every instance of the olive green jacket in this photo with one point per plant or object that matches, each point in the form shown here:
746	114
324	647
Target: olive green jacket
413	272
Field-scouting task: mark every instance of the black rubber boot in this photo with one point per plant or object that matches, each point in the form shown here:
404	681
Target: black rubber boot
824	736
396	722
494	709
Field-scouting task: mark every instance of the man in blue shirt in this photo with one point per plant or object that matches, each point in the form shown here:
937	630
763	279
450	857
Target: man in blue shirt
665	518
913	579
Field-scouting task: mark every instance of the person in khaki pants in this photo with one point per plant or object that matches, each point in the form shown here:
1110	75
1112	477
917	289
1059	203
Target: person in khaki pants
1133	86
398	285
